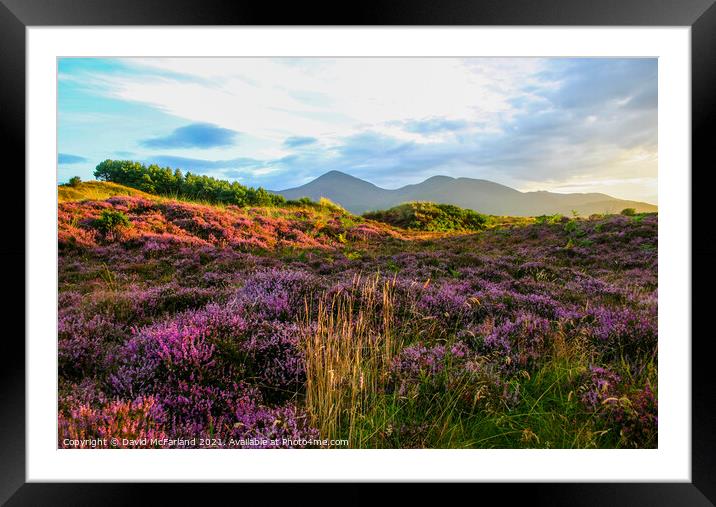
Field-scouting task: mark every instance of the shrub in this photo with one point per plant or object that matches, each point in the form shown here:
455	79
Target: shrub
74	181
548	219
429	216
111	220
326	203
303	202
629	212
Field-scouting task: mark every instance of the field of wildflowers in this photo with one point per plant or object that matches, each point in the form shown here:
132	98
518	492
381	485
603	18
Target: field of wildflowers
192	325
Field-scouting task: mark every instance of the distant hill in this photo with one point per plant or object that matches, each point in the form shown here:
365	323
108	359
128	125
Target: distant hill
354	194
359	196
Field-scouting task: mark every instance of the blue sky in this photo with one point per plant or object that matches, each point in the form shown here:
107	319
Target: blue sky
560	124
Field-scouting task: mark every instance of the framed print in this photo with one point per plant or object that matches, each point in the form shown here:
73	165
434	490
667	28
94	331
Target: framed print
442	245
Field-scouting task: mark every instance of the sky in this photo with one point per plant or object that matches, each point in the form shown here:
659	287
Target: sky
556	124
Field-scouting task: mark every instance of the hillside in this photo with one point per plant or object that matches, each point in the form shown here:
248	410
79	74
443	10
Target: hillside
95	191
157	225
289	323
359	196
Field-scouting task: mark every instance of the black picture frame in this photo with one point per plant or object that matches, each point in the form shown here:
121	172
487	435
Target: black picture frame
17	15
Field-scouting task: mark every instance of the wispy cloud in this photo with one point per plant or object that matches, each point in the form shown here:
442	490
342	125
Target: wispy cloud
196	135
297	141
431	125
66	158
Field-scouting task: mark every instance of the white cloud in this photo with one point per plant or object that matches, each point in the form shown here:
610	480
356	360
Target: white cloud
328	98
526	122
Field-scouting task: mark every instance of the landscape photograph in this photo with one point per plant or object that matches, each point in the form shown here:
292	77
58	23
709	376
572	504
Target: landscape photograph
357	253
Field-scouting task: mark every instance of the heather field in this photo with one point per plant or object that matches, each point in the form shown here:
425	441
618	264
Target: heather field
298	324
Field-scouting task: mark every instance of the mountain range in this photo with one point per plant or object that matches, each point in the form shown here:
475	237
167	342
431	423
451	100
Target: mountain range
359	196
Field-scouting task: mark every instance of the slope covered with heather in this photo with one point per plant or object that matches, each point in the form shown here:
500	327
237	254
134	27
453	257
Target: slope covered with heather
190	325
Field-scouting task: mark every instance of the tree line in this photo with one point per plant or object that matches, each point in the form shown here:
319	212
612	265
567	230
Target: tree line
172	182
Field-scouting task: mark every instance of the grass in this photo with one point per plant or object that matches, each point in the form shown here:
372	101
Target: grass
102	190
347	354
349	350
457	415
96	191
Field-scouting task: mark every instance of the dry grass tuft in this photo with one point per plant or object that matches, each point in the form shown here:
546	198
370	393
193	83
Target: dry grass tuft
348	353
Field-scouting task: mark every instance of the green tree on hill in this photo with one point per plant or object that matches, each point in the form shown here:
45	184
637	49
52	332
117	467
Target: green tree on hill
166	181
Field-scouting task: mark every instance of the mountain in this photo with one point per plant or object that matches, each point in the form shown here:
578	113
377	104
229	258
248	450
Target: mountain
354	194
359	196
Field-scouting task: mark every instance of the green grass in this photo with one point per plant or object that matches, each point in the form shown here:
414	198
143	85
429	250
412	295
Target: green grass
465	415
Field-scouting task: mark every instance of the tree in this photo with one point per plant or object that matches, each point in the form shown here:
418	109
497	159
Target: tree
165	181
